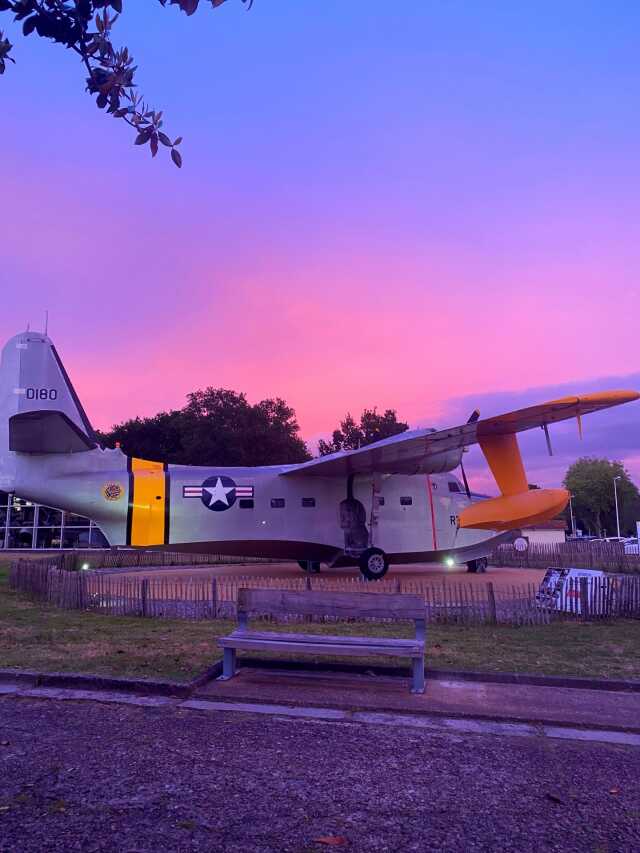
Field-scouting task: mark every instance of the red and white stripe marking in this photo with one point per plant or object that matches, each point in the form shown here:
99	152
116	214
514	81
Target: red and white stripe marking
196	491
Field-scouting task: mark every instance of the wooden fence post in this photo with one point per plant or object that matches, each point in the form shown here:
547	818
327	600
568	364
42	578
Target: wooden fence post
82	591
584	598
144	595
491	601
214	597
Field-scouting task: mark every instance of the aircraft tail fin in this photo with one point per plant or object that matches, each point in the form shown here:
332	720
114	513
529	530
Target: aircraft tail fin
39	409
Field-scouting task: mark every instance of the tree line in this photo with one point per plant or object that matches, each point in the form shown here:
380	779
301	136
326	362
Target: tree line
220	427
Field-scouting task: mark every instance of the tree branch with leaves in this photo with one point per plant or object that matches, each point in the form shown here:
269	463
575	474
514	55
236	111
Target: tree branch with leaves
85	27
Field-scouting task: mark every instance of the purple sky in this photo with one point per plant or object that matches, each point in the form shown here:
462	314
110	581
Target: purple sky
423	206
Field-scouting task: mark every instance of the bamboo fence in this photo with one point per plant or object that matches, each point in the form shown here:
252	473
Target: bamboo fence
609	597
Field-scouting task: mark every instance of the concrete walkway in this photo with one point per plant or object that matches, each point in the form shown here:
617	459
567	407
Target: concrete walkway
508	702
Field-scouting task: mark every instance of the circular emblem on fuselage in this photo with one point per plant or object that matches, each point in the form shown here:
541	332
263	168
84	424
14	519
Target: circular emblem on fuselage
112	491
218	493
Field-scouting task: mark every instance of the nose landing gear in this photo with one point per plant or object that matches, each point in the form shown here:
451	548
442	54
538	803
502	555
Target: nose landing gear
373	564
478	566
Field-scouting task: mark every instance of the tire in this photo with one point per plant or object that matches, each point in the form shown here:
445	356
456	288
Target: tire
310	566
373	564
478	566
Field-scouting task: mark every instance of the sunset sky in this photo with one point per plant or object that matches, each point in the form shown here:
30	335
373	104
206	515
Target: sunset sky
426	206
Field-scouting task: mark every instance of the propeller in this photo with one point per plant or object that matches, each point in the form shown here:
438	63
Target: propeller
475	414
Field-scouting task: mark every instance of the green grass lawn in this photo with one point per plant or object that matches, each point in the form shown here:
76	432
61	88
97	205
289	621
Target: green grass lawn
40	637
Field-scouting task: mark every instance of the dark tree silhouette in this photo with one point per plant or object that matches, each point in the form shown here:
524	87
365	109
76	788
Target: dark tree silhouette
84	26
216	427
372	427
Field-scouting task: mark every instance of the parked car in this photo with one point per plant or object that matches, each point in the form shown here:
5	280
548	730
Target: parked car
631	546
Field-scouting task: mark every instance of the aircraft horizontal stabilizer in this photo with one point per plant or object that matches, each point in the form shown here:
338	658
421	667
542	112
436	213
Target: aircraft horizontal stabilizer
46	432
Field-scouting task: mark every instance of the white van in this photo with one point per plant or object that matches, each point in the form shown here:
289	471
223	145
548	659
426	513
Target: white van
560	589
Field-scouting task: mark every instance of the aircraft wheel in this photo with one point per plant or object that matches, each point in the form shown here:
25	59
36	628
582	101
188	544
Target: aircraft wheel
478	566
310	566
373	564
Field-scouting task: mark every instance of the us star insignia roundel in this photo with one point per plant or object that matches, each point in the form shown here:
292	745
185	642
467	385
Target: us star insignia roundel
218	493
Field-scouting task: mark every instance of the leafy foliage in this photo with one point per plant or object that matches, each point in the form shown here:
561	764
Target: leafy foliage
590	482
5	50
216	427
372	427
85	26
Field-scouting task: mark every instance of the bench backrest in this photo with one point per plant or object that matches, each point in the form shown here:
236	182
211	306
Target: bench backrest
348	605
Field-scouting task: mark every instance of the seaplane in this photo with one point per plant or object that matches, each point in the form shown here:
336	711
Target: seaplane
394	502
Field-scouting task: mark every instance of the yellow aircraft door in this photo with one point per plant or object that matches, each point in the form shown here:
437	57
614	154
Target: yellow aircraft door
148	514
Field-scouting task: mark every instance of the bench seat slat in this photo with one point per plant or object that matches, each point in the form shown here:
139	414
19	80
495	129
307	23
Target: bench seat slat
411	649
340	639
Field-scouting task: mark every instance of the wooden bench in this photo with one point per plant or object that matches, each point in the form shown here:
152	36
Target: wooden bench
358	605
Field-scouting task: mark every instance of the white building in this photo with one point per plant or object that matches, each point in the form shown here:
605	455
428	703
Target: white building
548	533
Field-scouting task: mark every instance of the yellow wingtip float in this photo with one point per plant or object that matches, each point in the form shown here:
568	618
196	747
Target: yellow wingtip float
518	505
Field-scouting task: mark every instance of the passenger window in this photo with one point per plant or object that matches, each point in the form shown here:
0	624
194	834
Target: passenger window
380	500
453	486
277	503
246	503
308	501
406	501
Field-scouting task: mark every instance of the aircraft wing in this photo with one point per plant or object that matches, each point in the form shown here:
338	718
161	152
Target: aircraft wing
425	451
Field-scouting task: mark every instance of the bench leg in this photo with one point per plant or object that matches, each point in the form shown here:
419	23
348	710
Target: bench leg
228	664
418	675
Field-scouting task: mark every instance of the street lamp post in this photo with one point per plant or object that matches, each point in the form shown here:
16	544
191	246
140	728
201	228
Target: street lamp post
615	495
573	521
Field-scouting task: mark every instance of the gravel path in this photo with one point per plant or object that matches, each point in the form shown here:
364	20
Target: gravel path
86	776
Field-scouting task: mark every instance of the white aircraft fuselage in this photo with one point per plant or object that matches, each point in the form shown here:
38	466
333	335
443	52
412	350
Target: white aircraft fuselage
253	511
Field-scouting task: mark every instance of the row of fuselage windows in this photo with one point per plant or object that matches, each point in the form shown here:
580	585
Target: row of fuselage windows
280	503
276	503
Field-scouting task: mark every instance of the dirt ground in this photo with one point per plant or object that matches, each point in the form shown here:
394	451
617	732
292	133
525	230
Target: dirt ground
436	572
91	777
